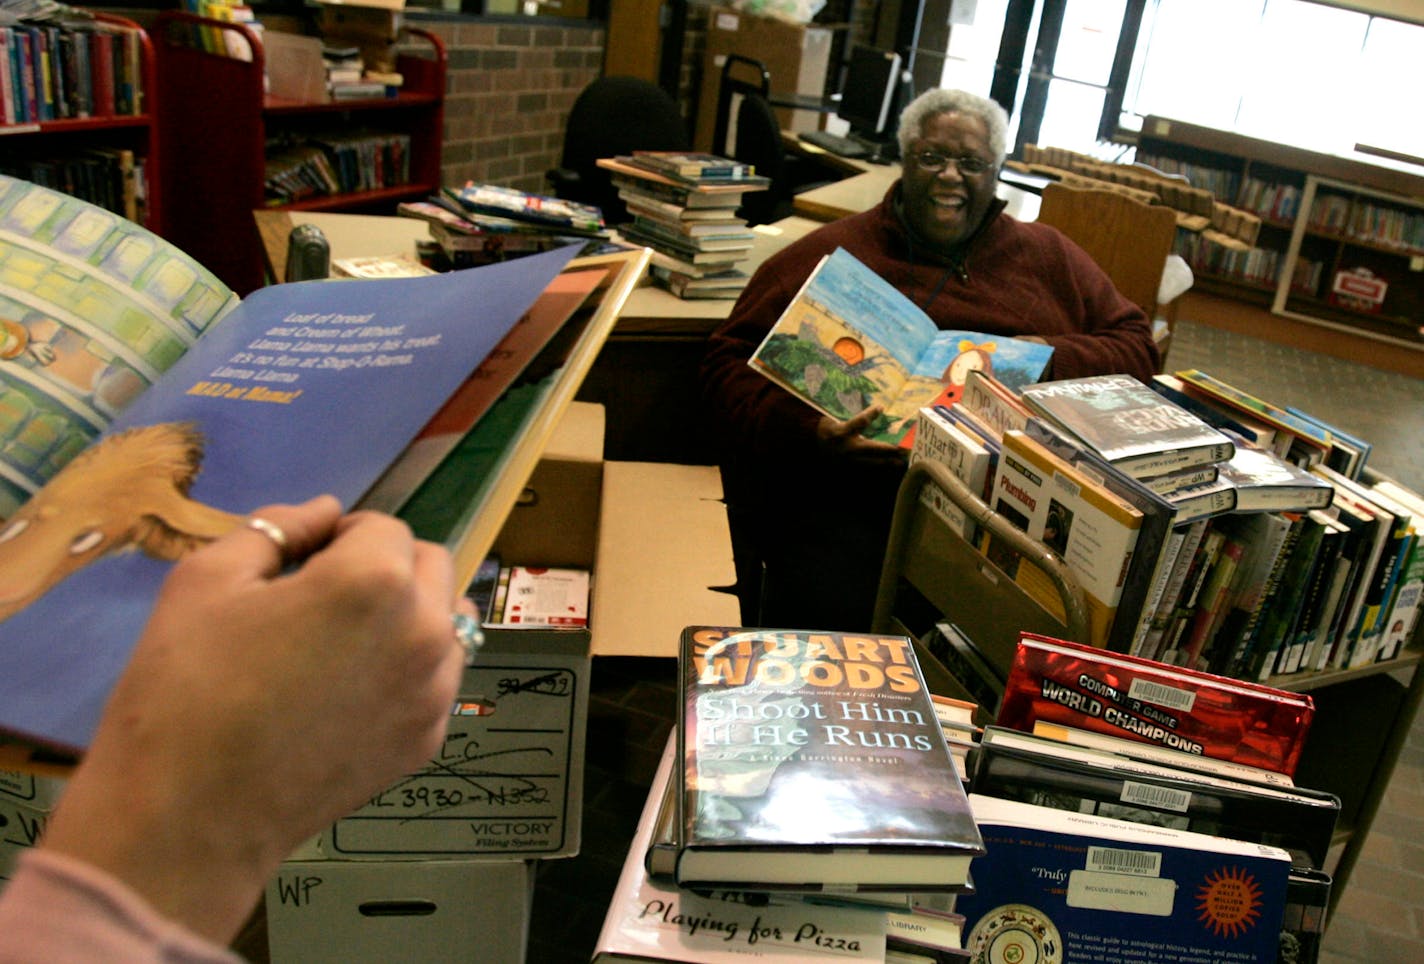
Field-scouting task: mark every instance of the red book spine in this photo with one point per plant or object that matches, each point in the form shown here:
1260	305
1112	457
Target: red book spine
101	72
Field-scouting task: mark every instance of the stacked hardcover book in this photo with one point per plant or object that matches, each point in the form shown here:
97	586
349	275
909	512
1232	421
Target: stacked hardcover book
481	223
1126	803
1264	548
807	807
684	207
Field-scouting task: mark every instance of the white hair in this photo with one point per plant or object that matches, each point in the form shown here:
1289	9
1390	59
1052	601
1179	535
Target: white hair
938	101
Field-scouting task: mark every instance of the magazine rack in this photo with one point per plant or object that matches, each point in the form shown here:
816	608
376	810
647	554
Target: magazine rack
931	572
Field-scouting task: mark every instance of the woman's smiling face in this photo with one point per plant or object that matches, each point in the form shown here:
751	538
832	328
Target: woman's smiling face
946	206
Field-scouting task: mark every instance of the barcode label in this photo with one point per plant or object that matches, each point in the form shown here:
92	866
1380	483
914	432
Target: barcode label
1162	798
1169	696
1112	860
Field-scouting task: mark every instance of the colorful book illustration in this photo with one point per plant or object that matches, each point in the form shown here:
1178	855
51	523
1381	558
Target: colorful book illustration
301	389
813	762
849	340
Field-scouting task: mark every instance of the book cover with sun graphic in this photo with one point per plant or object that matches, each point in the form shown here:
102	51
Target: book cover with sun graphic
1057	887
850	339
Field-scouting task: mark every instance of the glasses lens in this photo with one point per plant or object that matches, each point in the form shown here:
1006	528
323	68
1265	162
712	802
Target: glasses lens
971	165
930	161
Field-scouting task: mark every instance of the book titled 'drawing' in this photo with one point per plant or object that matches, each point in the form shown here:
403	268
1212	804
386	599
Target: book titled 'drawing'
1075	888
1128	423
1060	682
814	761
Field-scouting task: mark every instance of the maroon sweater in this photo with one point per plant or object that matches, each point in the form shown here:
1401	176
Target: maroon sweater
1011	278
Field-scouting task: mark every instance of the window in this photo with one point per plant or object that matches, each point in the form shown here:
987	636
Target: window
1290	71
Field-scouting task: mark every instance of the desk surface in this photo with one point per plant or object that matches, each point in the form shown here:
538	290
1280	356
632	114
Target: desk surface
649	310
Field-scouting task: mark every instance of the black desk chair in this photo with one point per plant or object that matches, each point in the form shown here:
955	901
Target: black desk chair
613	116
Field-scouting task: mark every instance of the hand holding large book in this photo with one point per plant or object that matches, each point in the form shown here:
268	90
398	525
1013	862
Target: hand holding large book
850	340
300	389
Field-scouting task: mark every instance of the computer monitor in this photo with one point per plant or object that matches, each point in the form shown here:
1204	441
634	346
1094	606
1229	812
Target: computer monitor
868	92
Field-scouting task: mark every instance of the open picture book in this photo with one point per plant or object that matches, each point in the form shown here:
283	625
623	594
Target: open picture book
147	411
849	340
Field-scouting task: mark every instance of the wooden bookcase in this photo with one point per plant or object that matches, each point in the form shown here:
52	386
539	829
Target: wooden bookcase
217	115
1297	193
132	136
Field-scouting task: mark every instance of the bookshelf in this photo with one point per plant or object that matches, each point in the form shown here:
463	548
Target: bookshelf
91	143
214	106
1321	214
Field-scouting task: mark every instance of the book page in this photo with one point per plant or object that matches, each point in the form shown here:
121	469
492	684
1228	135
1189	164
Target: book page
304	388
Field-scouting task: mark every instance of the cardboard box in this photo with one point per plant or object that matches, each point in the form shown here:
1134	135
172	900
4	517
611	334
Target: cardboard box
39	792
655	537
20	828
509	779
349	912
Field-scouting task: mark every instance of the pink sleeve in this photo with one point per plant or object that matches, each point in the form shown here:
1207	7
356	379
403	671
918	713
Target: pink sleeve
58	910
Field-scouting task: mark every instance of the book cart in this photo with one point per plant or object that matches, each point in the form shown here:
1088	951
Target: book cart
932	573
215	106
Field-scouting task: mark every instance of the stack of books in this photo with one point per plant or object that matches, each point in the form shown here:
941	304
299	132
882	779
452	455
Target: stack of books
347	77
1262	547
683	206
807	807
480	223
1122	800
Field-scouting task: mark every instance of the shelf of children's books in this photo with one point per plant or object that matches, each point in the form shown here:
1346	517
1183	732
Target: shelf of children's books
1304	682
1227	284
361	199
79	125
1402	250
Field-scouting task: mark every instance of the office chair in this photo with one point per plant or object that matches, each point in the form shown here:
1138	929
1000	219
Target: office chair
613	116
1129	239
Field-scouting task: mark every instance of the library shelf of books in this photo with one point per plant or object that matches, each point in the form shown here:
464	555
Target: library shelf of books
1340	234
939	588
374	153
88	126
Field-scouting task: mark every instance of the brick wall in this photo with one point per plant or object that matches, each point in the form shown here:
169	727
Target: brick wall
508	93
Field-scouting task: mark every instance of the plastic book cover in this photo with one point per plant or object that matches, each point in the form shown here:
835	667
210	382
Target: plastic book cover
302	389
1128	424
1053	773
1069	887
650	918
815	761
1074	685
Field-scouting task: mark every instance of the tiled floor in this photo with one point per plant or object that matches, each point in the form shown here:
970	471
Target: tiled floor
1380	917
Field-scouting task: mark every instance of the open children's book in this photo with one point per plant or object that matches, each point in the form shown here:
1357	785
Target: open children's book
145	411
849	340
